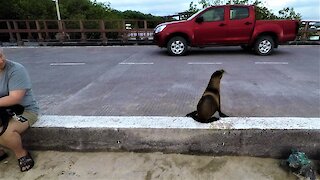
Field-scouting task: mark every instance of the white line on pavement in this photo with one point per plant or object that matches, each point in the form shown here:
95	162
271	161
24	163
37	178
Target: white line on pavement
177	122
128	63
67	64
272	63
204	63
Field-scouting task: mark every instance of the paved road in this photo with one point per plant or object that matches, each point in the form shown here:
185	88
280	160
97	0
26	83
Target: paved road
143	80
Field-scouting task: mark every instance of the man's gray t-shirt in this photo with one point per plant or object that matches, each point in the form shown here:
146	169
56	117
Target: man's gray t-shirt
15	77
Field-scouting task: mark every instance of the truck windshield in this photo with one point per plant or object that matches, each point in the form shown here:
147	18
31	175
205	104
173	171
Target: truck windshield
196	14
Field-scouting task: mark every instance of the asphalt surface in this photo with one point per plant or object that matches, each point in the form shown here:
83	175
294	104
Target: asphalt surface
145	81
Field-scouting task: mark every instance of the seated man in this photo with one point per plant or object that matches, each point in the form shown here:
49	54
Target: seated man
15	88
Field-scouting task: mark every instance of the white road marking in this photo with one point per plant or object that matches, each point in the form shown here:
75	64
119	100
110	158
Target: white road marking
272	63
204	63
129	63
164	122
67	64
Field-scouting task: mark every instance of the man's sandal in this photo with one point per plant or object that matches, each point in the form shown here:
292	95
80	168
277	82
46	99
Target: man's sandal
3	156
26	162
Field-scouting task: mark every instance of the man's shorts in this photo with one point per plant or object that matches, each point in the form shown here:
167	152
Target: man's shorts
30	116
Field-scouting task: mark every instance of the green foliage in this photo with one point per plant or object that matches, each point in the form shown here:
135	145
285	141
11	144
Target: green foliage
27	9
289	13
262	12
69	9
207	3
192	8
133	15
86	9
74	9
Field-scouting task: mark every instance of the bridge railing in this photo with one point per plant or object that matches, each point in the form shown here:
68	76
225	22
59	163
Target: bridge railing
309	31
103	31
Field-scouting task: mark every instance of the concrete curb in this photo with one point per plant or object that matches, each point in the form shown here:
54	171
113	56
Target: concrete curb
251	136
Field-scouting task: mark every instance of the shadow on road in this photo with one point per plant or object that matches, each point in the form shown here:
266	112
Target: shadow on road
222	51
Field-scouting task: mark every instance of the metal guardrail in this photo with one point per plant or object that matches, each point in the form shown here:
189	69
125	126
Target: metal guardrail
103	32
121	31
309	31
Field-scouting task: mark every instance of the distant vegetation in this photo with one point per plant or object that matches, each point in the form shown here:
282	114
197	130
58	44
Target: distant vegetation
86	9
69	9
262	12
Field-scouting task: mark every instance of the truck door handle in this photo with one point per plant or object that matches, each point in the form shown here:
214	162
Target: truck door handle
247	23
222	24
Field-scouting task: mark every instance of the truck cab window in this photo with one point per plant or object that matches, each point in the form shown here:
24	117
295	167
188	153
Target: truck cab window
239	13
215	14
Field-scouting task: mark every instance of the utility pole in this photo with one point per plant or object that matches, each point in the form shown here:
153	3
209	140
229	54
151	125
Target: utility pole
61	35
58	9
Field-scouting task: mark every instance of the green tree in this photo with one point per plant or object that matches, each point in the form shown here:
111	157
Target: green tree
193	8
69	9
289	13
262	12
207	3
27	9
129	14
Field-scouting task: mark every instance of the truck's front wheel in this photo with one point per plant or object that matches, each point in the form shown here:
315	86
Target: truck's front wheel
264	45
177	46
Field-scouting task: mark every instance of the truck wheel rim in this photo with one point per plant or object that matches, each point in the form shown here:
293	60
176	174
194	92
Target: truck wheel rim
265	46
177	47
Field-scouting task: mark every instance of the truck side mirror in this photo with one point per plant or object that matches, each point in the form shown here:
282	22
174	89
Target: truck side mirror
199	19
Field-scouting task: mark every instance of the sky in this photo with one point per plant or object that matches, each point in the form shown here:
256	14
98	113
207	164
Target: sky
309	9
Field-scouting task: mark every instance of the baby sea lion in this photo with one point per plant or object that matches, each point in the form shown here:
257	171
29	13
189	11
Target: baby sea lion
209	103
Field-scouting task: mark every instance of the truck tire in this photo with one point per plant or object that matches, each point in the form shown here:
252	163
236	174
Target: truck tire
177	46
264	45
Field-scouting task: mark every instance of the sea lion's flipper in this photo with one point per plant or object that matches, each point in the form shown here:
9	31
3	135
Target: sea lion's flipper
208	120
221	114
193	115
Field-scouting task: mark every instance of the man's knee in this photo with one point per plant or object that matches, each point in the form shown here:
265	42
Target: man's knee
6	137
15	127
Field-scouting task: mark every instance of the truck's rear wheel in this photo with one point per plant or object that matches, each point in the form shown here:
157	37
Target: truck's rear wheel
177	46
264	45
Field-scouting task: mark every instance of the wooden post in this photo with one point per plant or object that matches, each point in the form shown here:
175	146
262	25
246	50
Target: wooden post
137	30
305	31
16	28
102	30
61	35
124	35
29	30
12	39
40	38
145	30
83	35
46	30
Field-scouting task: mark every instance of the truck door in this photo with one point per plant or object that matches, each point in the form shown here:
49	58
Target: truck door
210	27
240	24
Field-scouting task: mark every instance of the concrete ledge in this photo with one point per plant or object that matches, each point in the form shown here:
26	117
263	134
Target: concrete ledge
251	136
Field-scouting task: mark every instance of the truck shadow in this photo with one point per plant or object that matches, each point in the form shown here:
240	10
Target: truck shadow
218	50
229	51
234	51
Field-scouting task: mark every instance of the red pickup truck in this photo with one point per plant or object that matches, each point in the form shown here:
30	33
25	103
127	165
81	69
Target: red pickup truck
226	25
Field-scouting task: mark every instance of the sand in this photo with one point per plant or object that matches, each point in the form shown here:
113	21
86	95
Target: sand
143	166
